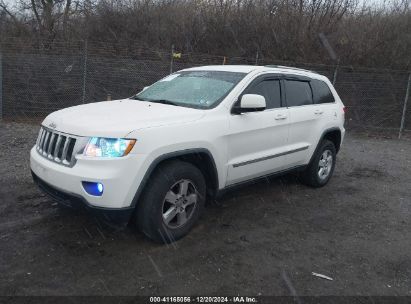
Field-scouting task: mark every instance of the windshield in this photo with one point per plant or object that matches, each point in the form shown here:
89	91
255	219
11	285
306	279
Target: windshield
196	89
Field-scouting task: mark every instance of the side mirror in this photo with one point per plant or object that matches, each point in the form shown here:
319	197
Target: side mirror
250	103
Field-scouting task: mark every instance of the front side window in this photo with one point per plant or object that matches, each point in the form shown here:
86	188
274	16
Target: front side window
298	93
195	89
270	89
321	92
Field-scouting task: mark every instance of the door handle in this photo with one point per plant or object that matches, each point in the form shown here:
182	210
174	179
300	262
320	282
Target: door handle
280	117
318	112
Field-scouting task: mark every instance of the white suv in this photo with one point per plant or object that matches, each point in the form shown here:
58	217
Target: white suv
155	157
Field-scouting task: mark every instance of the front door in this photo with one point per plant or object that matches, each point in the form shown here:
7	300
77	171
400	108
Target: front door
257	141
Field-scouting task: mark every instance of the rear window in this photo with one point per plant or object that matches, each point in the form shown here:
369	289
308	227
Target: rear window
321	92
298	93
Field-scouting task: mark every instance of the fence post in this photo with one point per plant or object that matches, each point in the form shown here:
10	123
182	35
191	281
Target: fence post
85	70
172	59
1	84
256	58
336	72
404	110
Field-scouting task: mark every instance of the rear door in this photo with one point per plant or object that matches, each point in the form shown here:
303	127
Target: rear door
310	111
258	140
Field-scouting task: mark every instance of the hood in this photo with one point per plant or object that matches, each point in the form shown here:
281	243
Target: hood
118	118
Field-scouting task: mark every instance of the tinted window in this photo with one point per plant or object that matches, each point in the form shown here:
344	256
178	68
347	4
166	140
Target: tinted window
270	89
298	93
321	92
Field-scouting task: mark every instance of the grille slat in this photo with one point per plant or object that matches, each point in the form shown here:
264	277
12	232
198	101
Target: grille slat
65	149
39	137
56	146
53	135
43	134
42	140
45	141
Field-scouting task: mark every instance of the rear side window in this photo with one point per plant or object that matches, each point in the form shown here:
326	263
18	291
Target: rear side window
298	93
270	89
321	92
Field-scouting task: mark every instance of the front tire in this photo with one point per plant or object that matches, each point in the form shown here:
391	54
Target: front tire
172	202
321	167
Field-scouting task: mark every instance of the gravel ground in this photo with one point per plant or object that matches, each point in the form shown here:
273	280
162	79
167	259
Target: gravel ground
265	239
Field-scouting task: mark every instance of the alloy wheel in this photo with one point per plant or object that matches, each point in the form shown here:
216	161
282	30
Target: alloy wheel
325	164
179	203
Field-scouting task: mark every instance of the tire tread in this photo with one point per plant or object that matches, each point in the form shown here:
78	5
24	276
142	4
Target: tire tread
309	176
151	199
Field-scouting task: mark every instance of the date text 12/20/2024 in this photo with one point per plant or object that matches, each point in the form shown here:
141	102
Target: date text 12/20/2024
199	299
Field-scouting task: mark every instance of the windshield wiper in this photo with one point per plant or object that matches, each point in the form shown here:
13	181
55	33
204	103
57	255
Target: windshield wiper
163	101
139	98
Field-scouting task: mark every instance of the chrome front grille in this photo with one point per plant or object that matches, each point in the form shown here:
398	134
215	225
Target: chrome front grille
58	147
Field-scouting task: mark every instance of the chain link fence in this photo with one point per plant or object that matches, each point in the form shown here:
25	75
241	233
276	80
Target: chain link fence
36	80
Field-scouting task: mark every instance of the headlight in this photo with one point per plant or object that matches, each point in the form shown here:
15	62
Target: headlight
108	147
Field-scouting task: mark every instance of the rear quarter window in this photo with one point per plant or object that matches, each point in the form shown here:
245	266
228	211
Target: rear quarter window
321	92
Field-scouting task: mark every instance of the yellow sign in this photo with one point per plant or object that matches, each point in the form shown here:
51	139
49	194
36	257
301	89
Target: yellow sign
176	55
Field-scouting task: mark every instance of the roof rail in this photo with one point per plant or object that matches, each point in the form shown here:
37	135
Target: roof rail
290	68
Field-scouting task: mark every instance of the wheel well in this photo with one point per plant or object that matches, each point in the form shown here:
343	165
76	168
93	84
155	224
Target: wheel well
200	158
205	163
335	137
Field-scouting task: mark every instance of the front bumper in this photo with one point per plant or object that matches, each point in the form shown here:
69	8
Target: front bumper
121	177
119	216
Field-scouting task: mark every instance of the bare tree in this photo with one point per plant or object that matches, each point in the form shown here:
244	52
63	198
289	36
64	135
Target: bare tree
280	29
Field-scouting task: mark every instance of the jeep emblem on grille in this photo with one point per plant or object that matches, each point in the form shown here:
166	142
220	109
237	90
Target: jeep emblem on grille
53	125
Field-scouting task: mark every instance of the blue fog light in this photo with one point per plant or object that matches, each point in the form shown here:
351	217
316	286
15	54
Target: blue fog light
95	189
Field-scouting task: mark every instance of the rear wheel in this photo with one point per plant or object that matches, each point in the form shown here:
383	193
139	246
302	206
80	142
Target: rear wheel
172	202
321	168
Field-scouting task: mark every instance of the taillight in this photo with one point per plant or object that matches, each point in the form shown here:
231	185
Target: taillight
345	110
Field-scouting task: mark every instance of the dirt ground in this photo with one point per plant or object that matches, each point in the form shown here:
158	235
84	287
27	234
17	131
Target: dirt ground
265	239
